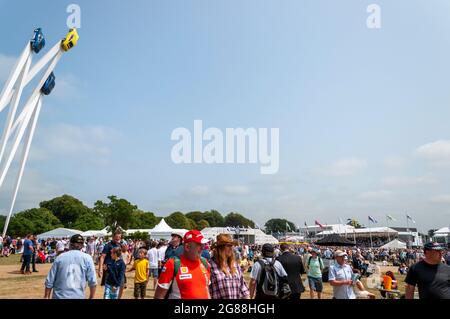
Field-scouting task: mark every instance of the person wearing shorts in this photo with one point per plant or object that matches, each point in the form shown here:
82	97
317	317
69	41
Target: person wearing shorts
153	262
314	265
141	274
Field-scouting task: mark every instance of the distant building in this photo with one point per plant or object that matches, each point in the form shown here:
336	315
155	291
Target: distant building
410	236
248	236
313	230
442	235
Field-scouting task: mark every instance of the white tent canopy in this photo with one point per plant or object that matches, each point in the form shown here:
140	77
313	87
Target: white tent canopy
94	233
395	244
442	232
164	231
162	227
363	232
59	233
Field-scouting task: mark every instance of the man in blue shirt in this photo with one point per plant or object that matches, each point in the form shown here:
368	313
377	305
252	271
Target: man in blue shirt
70	272
27	254
340	276
175	247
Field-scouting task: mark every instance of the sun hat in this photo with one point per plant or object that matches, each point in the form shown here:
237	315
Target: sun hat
339	253
224	239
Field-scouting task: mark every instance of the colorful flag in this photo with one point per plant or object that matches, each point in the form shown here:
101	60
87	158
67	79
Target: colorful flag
390	217
372	220
410	218
319	224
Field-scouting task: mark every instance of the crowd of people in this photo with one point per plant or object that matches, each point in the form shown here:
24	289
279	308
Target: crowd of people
189	267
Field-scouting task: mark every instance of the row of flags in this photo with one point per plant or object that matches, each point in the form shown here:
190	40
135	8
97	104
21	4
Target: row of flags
389	217
316	222
371	219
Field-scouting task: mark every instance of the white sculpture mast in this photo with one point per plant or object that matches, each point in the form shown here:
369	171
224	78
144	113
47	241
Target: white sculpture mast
20	127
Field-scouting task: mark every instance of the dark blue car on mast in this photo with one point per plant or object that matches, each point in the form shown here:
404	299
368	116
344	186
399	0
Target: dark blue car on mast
38	40
49	84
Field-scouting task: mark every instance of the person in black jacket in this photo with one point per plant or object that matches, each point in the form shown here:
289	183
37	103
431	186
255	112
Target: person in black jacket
293	265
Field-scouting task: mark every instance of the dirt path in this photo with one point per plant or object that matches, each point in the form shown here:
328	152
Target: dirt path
14	285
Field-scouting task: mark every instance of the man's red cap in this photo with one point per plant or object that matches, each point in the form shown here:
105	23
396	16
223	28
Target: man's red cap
194	236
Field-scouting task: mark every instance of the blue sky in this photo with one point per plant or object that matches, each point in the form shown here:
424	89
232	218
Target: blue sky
363	113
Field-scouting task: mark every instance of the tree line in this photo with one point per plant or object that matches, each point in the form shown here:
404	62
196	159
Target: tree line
70	212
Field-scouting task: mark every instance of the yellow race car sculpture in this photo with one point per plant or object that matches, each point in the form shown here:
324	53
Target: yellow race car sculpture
70	40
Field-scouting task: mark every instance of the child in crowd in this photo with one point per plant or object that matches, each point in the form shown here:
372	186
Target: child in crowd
141	275
403	269
126	259
116	273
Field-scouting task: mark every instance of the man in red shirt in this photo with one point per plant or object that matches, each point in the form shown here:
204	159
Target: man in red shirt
187	276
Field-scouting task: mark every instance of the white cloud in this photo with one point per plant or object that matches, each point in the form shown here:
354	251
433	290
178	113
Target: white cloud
345	167
66	87
199	190
236	190
67	140
408	181
376	195
441	199
6	65
394	161
437	152
33	189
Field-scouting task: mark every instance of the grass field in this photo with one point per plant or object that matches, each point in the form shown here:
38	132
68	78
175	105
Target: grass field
14	285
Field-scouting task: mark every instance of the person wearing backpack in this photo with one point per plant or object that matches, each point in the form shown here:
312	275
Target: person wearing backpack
315	267
268	277
186	276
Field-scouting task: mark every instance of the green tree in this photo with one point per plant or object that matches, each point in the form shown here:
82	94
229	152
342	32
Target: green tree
431	233
236	219
214	218
2	222
192	224
202	224
66	208
118	212
33	221
89	221
138	236
279	225
195	216
179	220
142	219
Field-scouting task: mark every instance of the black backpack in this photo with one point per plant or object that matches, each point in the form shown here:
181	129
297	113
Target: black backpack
320	262
270	284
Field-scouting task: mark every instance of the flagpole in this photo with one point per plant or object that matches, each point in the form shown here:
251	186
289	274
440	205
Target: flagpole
407	229
370	234
387	225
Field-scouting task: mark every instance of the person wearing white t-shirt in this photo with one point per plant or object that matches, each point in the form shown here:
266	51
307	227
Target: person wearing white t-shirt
153	263
60	247
161	247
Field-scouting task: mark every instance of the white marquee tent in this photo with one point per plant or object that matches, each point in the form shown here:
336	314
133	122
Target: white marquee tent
442	232
395	244
442	235
59	233
95	233
164	231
